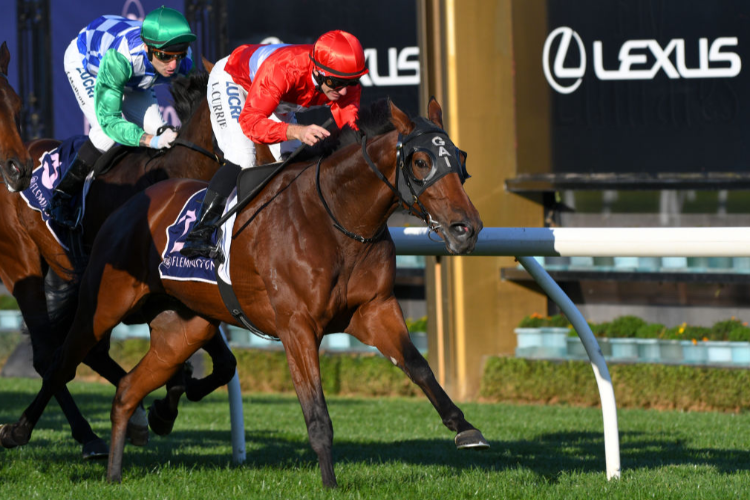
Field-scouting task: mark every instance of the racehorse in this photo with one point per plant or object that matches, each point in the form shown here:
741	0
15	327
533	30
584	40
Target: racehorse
15	161
311	255
28	252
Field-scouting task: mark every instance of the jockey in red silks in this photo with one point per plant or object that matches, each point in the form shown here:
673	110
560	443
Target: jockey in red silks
253	95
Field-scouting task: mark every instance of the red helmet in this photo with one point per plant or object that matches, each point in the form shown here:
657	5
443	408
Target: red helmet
339	54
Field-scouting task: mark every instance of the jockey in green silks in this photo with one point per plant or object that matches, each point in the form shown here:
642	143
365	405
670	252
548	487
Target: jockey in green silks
113	65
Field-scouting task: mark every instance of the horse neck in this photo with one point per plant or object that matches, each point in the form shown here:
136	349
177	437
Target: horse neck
183	162
357	197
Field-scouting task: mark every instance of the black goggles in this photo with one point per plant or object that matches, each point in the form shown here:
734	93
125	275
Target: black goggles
339	83
165	56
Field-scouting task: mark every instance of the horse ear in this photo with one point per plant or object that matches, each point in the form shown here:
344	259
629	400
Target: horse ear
4	58
207	64
435	112
400	120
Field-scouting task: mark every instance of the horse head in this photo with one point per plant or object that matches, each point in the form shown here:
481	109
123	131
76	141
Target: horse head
15	161
432	173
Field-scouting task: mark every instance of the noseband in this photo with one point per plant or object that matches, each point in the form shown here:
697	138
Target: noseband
426	137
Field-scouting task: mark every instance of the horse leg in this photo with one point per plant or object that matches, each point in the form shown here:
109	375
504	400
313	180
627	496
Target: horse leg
30	295
224	368
61	300
163	412
173	340
90	325
99	360
382	324
304	364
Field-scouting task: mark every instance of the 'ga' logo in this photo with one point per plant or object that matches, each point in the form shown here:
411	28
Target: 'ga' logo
635	64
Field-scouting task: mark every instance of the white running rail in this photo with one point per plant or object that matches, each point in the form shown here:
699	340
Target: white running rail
526	243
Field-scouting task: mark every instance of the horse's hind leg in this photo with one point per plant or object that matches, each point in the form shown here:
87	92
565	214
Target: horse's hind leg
382	324
45	338
91	324
163	412
99	360
224	367
173	340
61	300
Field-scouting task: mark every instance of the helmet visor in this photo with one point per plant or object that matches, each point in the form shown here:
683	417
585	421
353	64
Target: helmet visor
168	56
339	83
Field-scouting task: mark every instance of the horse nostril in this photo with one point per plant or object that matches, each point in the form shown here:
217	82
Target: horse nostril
462	231
13	168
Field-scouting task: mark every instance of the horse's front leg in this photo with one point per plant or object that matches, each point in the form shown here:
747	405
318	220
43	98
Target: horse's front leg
382	325
301	345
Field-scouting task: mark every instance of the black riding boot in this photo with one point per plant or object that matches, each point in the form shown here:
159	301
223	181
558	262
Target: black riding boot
61	208
198	242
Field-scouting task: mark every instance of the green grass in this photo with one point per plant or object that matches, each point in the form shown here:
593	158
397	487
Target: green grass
384	448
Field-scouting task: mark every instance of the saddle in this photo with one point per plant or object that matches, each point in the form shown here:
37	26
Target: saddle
107	160
251	179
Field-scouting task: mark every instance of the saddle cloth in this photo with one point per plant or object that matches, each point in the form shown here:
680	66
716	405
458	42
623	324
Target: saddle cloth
52	167
175	266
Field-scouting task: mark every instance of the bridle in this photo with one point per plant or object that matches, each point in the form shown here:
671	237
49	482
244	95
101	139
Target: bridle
426	137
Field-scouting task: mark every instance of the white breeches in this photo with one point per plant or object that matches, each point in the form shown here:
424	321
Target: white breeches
226	100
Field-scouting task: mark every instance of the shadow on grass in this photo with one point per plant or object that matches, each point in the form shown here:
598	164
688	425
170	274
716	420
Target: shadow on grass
547	455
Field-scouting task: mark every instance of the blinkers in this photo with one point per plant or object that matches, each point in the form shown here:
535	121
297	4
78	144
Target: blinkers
445	158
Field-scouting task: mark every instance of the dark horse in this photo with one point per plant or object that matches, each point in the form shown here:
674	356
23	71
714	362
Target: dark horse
28	252
15	161
296	276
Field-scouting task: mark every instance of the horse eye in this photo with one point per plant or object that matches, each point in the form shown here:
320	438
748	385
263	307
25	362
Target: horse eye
421	163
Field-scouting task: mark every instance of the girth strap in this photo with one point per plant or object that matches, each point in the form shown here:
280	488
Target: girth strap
233	305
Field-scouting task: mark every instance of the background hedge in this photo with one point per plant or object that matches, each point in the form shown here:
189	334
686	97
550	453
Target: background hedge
641	385
508	379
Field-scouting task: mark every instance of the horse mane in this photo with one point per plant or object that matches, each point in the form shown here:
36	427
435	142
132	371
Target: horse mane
373	120
188	92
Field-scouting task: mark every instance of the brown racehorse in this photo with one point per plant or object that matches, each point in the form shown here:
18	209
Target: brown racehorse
28	250
15	161
296	276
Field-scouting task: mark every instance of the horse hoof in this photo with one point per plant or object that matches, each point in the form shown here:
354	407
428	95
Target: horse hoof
160	424
471	439
137	434
137	430
8	440
95	449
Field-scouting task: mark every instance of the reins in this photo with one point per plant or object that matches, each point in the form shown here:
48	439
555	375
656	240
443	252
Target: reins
205	152
336	223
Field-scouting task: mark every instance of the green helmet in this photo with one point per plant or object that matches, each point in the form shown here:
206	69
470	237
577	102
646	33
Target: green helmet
164	27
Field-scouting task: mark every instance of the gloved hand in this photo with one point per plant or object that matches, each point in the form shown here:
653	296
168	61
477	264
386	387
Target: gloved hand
164	140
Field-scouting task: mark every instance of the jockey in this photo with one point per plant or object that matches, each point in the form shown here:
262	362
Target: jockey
113	65
253	94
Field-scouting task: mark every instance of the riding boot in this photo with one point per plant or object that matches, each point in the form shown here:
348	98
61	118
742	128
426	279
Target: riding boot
198	242
62	208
